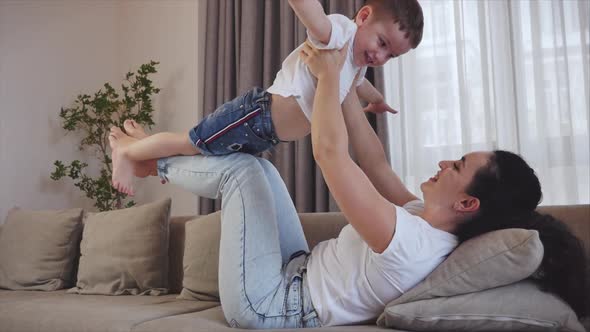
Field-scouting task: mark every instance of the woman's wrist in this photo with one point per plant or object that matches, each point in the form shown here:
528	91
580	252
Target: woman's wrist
328	73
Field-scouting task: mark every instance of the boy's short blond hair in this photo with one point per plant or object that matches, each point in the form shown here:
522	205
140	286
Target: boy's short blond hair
407	13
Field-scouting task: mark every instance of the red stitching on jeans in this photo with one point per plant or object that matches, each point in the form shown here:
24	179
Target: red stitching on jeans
232	125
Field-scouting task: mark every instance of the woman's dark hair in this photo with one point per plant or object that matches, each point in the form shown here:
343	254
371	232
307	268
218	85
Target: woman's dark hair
509	192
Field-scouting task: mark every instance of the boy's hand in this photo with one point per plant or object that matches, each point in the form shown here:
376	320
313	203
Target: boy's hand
379	108
323	62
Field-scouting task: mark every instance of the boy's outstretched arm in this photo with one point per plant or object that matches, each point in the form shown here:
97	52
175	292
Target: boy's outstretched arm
367	92
313	17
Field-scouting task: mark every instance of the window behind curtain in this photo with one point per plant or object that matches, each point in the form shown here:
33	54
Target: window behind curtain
510	75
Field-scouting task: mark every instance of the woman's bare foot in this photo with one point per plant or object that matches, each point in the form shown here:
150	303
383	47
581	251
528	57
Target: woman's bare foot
134	129
123	167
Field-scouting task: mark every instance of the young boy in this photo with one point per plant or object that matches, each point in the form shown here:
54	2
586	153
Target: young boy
258	120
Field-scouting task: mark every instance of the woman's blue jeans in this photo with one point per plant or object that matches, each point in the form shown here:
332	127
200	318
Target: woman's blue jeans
263	251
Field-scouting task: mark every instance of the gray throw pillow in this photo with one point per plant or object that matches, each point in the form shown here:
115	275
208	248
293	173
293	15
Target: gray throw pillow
125	252
201	259
490	260
516	307
38	249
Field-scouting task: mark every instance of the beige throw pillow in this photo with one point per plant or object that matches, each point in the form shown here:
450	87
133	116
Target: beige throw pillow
516	307
38	249
201	259
490	260
125	251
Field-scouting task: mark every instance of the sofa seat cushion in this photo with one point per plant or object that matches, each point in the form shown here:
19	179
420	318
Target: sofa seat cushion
8	296
213	320
59	311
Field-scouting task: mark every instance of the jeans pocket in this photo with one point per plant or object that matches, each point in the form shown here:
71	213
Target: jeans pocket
256	128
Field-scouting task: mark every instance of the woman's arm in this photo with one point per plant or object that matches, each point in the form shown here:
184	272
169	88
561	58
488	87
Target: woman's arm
370	154
371	215
367	92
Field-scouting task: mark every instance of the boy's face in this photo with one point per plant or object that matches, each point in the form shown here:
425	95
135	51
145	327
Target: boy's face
377	40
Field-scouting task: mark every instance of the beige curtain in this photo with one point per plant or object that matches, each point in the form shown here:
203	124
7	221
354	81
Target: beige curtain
246	42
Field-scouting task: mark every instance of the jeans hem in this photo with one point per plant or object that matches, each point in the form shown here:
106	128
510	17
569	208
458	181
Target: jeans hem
162	167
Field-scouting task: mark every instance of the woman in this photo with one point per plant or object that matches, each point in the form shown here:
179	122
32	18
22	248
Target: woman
267	278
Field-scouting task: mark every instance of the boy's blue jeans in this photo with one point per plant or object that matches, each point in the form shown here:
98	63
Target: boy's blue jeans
263	251
243	124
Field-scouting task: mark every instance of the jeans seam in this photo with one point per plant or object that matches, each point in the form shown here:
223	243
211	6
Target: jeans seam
243	243
286	298
165	169
243	272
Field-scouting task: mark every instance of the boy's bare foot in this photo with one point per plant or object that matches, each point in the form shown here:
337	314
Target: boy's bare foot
142	168
133	129
123	167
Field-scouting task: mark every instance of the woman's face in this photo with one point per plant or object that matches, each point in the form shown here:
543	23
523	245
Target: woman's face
449	185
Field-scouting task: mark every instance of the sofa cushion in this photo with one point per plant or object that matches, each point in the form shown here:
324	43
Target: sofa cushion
59	311
320	227
201	259
516	307
176	252
490	260
577	218
38	249
125	251
213	320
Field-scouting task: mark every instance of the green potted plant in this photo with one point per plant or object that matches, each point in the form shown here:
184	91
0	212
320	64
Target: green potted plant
93	116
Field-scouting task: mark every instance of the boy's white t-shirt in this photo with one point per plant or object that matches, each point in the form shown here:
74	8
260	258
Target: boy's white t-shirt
295	79
350	283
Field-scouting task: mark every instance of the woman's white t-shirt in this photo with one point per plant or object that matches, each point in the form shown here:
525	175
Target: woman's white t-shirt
350	283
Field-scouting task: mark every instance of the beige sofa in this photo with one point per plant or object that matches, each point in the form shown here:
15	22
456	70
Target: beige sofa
58	311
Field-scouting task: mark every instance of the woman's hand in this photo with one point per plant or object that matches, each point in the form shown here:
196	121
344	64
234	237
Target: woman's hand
323	62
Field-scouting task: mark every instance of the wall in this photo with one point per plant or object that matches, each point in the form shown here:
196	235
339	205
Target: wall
52	50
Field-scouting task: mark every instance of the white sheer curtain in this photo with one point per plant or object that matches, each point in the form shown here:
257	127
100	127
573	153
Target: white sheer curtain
510	75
